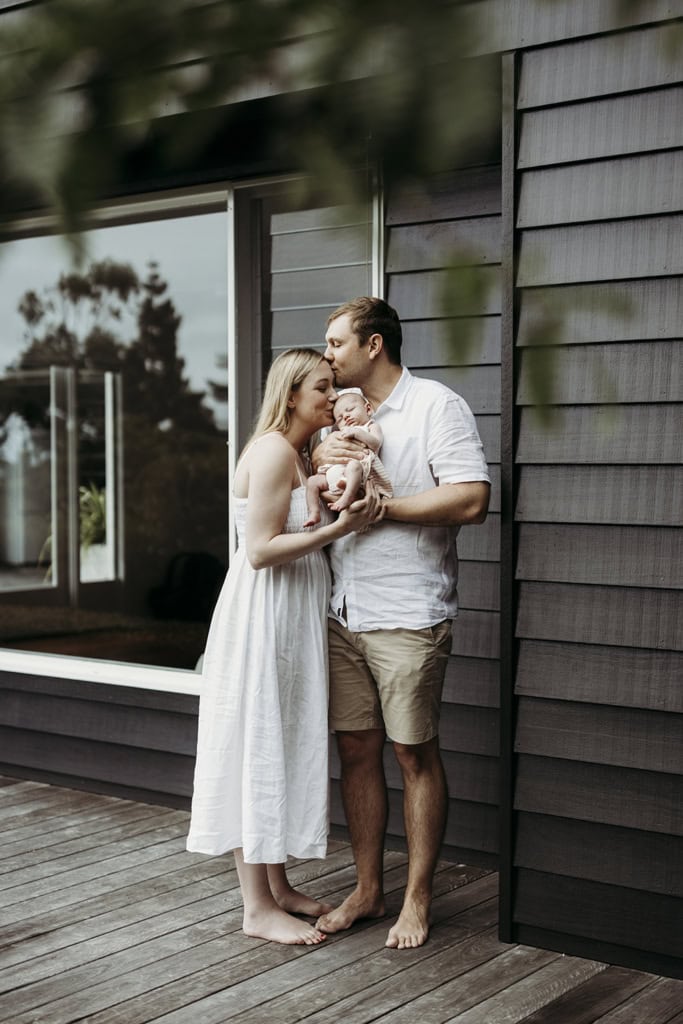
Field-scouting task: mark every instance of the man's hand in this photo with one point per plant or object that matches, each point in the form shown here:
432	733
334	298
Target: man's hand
335	448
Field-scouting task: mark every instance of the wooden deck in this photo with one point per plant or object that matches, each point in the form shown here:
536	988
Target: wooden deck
106	918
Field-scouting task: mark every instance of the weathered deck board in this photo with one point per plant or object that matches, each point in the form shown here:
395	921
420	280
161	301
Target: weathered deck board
106	918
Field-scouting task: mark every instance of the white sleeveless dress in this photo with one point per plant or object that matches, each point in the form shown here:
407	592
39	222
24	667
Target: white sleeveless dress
261	777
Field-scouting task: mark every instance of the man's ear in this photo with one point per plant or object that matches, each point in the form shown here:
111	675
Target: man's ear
375	345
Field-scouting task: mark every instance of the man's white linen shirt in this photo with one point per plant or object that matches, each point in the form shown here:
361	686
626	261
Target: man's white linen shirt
402	575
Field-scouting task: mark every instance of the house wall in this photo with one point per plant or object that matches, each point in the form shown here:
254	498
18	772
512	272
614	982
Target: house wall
597	195
104	738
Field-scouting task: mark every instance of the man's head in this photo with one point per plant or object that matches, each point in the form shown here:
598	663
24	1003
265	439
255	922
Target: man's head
373	316
359	333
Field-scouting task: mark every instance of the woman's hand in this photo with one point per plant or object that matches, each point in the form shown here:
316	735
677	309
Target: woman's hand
336	449
364	513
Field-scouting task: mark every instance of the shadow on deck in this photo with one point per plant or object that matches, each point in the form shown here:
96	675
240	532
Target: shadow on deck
106	918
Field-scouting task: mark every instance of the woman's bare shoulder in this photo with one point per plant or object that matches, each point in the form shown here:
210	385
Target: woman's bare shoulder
267	452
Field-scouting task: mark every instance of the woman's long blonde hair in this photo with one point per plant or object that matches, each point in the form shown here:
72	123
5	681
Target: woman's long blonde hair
287	372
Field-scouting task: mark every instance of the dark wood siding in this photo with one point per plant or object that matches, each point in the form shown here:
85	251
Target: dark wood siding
108	739
598	796
458	218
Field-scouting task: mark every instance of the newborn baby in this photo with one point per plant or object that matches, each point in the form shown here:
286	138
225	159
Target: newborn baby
353	419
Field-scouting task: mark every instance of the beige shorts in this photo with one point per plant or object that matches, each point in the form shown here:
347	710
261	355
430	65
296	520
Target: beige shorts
388	679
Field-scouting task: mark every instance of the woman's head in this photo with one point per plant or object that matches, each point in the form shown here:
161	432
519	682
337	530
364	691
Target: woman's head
283	390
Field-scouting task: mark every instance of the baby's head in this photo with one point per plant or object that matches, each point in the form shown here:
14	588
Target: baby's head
352	410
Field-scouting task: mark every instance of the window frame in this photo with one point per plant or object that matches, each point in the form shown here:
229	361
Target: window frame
242	250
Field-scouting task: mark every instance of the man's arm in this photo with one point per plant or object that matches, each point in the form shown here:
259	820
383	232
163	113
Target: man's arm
446	505
335	449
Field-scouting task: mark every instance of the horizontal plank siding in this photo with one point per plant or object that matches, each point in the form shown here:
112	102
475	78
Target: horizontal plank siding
625	677
627	434
612	373
475	241
601	853
422	294
639	185
465	340
618	311
608	912
648	247
633	617
614	795
601	66
598	705
639	495
637	123
630	737
114	739
601	554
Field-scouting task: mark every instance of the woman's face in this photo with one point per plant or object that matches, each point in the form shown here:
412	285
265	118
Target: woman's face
314	401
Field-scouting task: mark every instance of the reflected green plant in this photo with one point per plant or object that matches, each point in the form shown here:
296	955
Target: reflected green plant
92	508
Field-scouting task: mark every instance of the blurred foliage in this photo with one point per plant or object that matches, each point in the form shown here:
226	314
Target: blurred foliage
83	82
85	85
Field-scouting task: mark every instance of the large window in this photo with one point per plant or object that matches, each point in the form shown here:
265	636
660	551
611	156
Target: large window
127	387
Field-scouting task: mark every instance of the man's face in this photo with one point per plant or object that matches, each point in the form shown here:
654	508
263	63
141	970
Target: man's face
344	353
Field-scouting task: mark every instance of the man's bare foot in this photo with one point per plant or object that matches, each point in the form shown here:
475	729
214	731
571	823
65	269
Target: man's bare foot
411	929
352	909
278	926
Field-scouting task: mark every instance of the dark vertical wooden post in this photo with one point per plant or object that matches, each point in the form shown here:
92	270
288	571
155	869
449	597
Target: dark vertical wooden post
508	489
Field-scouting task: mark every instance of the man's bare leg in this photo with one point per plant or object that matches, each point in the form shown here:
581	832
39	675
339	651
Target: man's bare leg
365	802
424	811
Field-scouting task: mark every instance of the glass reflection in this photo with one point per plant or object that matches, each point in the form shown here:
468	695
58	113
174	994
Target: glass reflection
120	479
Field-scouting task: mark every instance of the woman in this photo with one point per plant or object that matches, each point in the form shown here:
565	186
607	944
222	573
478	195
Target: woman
261	775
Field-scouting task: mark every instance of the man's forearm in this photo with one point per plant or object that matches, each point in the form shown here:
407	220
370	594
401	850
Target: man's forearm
447	505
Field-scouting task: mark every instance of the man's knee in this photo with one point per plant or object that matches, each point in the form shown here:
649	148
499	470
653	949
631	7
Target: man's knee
416	758
361	748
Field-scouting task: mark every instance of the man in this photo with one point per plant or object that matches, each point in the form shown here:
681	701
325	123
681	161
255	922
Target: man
393	599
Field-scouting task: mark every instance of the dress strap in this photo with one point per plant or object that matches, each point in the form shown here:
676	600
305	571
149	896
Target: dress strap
303	466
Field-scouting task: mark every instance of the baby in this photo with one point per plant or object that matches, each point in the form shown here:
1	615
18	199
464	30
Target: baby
353	419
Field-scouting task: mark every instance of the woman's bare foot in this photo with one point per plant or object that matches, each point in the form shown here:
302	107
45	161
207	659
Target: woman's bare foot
278	926
352	909
411	929
295	902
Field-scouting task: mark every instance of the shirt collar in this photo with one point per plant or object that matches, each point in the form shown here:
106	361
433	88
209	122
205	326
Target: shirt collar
396	397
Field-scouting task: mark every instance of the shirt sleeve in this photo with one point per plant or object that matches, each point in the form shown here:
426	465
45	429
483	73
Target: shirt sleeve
454	448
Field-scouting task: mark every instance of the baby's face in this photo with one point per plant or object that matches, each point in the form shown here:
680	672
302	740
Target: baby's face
351	411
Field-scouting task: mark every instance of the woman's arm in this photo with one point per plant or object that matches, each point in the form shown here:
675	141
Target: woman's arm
272	468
